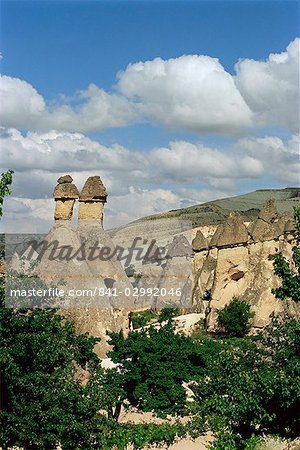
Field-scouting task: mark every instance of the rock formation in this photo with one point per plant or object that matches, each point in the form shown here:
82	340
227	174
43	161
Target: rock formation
199	242
92	199
263	228
231	259
86	278
65	194
239	262
231	232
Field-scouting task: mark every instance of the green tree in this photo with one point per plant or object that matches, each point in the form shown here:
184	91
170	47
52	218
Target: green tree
290	275
5	183
154	363
141	319
235	317
42	402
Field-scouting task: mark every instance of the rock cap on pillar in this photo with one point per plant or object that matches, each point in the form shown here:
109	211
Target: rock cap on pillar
93	190
65	189
65	194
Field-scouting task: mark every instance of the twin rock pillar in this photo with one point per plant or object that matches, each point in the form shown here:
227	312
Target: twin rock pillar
91	199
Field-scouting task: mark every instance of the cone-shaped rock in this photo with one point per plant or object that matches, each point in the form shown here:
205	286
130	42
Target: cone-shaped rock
199	242
231	232
269	211
263	228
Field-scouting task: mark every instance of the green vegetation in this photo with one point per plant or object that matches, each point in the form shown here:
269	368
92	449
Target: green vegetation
251	386
142	318
153	364
5	183
290	276
42	403
235	317
168	313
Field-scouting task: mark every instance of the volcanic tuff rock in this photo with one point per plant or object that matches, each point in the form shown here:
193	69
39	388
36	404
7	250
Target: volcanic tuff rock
229	269
199	242
229	259
264	228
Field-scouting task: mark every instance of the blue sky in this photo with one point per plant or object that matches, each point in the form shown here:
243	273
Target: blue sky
59	48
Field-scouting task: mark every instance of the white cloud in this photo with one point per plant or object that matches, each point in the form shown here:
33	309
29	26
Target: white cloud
20	103
59	151
139	183
271	87
277	157
23	107
184	161
27	215
190	92
180	162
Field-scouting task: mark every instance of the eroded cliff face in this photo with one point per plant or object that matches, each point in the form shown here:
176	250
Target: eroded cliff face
237	260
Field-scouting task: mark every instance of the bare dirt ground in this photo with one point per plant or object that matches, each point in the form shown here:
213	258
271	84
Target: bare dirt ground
200	443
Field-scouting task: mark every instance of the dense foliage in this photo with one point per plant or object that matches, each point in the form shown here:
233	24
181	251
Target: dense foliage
154	363
290	276
42	403
251	386
235	317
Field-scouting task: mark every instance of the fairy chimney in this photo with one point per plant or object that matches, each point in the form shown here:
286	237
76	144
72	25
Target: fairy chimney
92	199
65	194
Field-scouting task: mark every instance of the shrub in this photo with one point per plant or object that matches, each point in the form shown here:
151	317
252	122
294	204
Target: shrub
290	275
168	313
234	318
141	319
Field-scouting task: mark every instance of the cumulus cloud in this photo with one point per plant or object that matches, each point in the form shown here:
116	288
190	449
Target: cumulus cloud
139	183
180	162
277	157
184	161
190	92
27	215
91	110
20	104
271	87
